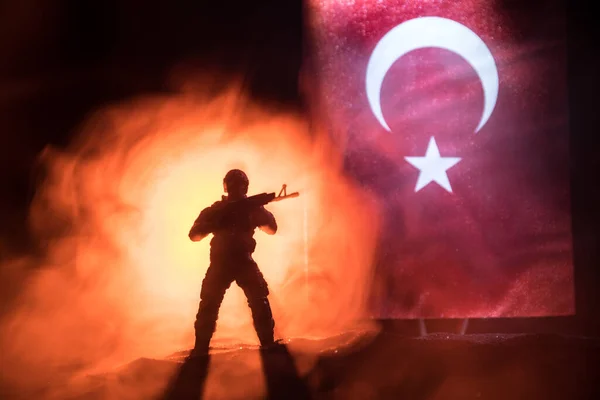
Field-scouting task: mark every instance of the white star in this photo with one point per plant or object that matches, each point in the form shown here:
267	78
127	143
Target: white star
433	167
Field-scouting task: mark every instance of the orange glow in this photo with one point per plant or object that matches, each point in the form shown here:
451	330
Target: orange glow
123	281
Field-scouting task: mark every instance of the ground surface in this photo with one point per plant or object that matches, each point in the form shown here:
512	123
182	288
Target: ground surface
439	366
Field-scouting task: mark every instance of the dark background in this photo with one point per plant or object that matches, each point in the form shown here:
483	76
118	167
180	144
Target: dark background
61	59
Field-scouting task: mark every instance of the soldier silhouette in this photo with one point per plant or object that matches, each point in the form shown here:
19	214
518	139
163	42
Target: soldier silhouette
231	261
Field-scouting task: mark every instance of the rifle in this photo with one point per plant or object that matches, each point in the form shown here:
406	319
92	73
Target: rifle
258	200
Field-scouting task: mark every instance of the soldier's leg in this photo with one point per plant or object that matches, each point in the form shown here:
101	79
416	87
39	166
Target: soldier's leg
215	284
256	290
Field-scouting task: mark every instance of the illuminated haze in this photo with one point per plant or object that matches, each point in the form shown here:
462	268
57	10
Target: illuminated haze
121	280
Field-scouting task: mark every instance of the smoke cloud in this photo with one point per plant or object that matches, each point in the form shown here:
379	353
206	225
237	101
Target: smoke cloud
120	279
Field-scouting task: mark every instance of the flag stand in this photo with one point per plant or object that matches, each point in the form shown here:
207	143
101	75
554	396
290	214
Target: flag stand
462	330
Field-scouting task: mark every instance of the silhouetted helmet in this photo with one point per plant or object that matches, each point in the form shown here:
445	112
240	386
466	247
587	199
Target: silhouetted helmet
236	181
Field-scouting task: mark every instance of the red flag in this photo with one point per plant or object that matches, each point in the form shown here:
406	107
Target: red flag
455	116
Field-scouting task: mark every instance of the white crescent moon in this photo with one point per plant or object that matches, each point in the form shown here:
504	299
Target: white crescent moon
432	32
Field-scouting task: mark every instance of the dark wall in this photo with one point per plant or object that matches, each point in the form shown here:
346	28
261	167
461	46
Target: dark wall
584	64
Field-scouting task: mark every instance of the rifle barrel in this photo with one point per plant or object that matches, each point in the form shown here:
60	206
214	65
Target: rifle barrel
287	196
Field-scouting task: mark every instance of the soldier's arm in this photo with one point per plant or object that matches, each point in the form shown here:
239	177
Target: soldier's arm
266	221
205	224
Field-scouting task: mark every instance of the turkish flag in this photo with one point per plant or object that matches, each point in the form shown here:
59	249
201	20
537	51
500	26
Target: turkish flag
476	209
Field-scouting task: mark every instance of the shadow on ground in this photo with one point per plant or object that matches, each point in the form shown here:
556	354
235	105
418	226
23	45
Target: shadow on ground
188	382
281	375
386	366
